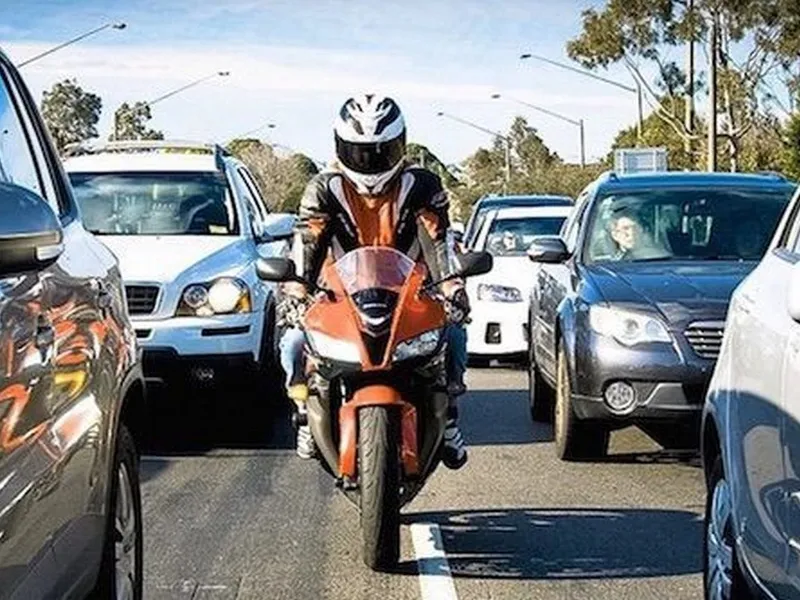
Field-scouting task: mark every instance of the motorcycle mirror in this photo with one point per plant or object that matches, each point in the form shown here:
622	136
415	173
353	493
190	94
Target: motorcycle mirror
474	263
276	269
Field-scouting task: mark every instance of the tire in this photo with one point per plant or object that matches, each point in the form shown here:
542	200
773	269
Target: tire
379	477
718	529
540	395
575	439
122	578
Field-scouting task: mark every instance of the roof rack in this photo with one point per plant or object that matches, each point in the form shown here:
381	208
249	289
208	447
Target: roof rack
155	146
607	176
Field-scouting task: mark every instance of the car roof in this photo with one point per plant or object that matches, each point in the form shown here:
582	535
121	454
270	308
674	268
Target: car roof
521	212
145	156
609	181
524	200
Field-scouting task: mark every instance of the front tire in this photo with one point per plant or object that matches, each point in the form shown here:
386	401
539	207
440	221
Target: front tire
379	477
575	439
722	578
121	568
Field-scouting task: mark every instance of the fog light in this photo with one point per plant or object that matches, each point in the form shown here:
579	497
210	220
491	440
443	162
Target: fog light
620	396
493	333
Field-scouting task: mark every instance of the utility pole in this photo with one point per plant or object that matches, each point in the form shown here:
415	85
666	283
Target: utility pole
712	94
689	117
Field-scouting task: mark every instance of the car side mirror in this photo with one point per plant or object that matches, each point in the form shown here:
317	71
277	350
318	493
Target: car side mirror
31	237
793	299
276	269
548	249
474	263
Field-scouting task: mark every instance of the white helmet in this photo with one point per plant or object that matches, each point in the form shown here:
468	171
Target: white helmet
370	142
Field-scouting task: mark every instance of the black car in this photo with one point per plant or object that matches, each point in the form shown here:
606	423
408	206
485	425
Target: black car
71	388
629	302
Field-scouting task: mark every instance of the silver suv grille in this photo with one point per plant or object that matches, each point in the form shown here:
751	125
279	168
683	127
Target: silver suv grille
141	298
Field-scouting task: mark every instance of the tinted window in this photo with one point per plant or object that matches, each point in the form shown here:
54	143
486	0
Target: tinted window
514	236
155	203
17	163
684	224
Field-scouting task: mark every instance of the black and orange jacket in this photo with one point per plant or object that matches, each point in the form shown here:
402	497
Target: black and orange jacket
411	217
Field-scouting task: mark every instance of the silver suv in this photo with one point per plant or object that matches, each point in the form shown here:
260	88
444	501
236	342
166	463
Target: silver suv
71	388
751	431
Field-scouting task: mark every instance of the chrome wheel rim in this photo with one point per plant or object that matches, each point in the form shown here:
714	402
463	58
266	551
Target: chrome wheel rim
125	537
719	544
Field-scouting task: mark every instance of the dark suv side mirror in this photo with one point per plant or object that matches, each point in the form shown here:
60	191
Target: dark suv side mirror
31	237
548	249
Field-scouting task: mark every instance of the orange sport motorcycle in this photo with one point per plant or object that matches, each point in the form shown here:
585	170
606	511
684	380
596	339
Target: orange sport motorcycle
377	407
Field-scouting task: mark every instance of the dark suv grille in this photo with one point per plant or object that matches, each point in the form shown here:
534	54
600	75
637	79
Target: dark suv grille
705	338
141	298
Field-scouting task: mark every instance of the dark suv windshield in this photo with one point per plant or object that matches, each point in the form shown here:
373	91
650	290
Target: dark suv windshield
684	224
155	203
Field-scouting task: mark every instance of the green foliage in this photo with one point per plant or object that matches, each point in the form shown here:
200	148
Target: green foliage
791	154
130	123
282	180
71	114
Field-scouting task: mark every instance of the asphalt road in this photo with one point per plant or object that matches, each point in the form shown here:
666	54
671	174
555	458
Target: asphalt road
231	513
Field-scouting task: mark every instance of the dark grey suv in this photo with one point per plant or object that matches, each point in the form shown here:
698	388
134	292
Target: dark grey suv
70	383
629	303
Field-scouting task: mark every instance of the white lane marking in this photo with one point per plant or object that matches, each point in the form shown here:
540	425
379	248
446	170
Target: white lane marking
435	578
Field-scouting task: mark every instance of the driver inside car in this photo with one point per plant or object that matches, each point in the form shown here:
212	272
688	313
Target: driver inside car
373	197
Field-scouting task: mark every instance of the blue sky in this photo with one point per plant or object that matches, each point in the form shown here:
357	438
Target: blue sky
294	62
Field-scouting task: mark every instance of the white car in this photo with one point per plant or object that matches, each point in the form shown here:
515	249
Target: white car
187	223
499	299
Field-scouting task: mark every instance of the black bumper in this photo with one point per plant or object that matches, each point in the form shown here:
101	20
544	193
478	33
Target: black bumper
166	365
670	380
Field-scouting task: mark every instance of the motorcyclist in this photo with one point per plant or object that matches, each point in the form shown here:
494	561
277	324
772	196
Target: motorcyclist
373	197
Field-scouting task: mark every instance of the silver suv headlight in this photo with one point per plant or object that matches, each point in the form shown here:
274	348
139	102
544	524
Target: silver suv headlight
222	296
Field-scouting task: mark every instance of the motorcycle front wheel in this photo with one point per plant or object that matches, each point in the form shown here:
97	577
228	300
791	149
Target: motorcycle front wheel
379	477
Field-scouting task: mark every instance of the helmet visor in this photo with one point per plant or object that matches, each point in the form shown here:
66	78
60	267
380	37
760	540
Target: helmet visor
371	158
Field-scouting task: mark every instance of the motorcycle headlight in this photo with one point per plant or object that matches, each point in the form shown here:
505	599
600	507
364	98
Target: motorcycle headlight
334	349
498	293
222	296
421	345
627	327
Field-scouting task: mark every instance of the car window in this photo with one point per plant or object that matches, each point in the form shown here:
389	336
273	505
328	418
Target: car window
789	239
253	188
159	203
510	237
572	226
684	224
18	163
255	214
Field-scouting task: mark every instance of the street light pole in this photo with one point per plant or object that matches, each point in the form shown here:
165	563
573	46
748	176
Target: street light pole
149	104
500	136
119	26
547	111
633	90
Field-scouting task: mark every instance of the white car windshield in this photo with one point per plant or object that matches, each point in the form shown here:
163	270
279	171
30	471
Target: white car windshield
509	237
155	203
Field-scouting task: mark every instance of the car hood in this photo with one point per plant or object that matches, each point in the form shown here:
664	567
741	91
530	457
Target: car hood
162	259
512	271
681	292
